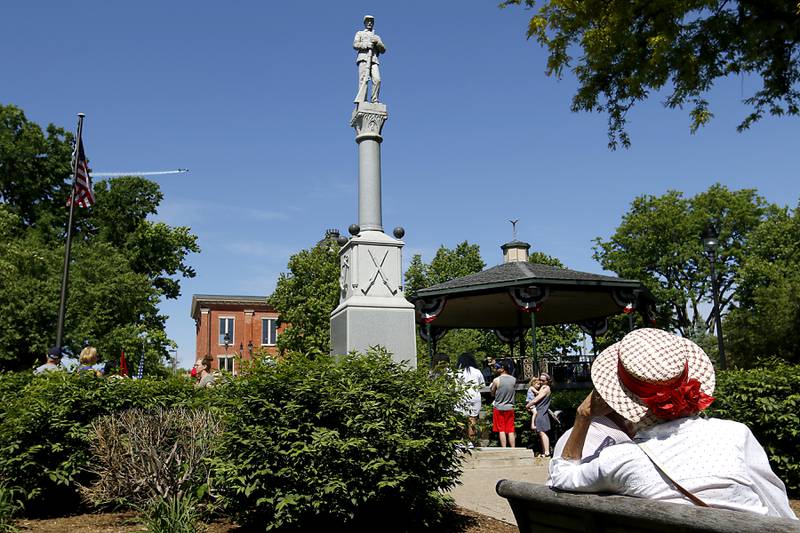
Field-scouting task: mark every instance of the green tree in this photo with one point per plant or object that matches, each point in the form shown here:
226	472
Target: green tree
34	168
622	51
305	297
122	263
766	320
449	264
658	242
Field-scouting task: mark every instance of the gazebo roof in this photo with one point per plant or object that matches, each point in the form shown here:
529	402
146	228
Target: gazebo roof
483	300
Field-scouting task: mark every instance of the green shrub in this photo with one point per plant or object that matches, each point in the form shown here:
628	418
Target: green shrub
10	505
326	443
768	402
173	514
45	427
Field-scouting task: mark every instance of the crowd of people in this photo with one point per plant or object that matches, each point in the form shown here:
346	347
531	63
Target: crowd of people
87	362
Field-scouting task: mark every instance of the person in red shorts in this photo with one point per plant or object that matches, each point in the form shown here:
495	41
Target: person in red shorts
503	388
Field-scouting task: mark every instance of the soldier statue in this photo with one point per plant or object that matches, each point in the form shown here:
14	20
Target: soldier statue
369	47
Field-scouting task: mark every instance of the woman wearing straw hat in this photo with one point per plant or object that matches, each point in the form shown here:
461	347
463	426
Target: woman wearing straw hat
660	382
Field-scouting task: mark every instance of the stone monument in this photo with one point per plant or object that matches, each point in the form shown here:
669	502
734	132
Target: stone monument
373	310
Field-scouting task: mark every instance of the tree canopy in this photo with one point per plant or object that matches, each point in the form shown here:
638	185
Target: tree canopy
766	320
659	242
622	51
122	263
305	296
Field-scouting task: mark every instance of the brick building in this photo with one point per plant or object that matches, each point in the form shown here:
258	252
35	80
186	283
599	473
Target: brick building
230	328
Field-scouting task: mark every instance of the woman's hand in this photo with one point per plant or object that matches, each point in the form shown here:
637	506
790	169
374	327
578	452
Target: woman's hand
593	405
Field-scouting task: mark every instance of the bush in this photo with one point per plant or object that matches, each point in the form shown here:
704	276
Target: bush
10	505
45	425
768	402
143	456
174	514
325	443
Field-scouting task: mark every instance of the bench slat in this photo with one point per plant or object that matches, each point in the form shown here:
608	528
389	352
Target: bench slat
538	508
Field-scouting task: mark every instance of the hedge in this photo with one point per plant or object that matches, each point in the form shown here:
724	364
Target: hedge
768	402
44	428
314	444
305	442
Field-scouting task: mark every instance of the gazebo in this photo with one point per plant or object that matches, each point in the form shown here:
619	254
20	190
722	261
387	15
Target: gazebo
518	295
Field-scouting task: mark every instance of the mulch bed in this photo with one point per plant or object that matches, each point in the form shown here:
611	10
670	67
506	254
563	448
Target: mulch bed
462	521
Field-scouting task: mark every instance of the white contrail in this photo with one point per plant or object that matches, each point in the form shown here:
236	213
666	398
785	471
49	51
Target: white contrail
112	174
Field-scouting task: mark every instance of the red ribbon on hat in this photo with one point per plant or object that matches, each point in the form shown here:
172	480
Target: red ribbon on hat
676	398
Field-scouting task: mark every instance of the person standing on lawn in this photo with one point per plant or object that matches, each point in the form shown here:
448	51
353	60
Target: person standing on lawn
503	388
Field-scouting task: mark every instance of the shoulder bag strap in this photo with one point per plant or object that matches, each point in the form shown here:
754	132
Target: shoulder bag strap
695	500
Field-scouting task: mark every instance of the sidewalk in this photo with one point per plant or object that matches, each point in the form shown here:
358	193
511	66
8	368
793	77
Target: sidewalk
476	491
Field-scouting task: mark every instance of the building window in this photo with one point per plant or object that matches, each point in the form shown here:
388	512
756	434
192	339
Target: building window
225	328
269	332
226	363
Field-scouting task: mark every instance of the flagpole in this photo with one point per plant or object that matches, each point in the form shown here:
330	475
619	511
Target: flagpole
68	248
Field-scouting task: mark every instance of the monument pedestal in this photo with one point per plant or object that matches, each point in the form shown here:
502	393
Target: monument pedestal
373	310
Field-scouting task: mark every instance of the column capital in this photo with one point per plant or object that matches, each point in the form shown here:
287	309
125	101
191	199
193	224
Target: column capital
368	120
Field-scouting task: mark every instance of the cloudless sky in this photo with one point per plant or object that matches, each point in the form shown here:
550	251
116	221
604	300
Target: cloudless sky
255	98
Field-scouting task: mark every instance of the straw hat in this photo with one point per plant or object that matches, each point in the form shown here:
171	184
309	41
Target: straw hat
651	376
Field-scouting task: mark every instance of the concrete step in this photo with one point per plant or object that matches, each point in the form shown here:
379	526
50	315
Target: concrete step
500	458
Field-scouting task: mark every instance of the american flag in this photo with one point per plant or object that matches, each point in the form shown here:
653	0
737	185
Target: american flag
84	196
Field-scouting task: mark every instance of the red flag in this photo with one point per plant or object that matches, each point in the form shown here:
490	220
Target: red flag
123	365
84	196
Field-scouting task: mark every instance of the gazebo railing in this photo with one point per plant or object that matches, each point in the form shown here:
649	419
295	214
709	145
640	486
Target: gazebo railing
566	370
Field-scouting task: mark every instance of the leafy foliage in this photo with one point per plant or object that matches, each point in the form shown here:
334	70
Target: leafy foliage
447	264
314	443
45	427
10	505
174	514
628	49
658	242
767	400
305	297
122	263
767	319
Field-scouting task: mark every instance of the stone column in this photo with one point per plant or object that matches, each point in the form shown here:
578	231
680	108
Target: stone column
372	309
368	120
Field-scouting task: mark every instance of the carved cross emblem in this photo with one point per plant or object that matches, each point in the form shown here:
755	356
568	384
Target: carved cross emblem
379	273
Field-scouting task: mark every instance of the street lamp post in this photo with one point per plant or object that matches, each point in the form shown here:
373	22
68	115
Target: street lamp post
711	244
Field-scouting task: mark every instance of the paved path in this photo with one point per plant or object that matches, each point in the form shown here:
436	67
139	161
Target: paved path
476	491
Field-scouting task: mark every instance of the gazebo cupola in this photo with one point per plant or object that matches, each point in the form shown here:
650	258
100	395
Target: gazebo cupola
515	251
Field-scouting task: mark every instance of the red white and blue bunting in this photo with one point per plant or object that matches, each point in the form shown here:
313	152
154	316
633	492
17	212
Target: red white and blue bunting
529	299
595	326
626	299
429	309
508	335
436	333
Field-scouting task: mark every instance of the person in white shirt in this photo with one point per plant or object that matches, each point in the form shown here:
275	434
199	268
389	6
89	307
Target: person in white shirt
660	382
604	431
472	377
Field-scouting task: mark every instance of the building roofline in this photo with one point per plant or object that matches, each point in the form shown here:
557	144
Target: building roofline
226	299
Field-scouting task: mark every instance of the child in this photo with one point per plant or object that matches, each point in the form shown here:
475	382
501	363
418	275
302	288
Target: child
533	389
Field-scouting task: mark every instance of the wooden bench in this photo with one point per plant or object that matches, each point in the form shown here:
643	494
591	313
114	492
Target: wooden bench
538	508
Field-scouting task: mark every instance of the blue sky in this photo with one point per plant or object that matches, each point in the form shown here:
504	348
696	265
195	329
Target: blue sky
255	99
